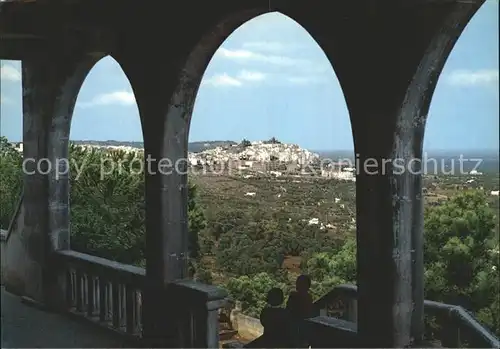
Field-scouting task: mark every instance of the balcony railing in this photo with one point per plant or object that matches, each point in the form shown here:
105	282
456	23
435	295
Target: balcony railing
336	325
110	294
455	326
105	292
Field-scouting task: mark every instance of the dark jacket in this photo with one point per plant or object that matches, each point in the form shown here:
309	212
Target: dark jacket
300	305
276	327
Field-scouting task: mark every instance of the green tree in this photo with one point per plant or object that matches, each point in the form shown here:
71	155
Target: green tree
251	291
250	240
107	211
107	208
11	181
245	143
273	140
196	222
329	269
204	275
461	255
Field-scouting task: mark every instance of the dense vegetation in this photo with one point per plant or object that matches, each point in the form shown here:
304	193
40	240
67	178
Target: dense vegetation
11	181
250	244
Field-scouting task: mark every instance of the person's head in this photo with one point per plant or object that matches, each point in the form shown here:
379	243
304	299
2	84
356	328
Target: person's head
275	297
303	283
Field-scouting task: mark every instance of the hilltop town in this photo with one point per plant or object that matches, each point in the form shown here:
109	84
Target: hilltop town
267	158
258	158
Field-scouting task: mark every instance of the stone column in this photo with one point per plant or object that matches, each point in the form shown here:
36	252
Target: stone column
166	224
165	124
37	112
165	87
199	305
388	83
384	222
51	80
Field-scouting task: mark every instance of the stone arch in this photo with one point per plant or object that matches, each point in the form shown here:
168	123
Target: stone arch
415	107
203	51
167	136
165	96
58	149
408	143
297	131
271	72
459	48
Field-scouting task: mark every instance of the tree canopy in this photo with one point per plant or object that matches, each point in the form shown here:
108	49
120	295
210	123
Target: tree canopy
245	246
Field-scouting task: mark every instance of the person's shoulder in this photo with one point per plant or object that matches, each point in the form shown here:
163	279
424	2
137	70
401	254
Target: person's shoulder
264	316
282	314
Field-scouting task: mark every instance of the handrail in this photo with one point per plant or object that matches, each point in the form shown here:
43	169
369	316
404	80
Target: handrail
465	319
14	216
104	292
348	290
124	272
457	313
109	294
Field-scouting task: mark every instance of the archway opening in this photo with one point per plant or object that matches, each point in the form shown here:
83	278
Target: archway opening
461	176
269	127
107	168
11	134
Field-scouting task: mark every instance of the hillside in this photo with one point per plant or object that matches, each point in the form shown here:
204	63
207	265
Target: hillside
330	201
233	203
194	147
248	233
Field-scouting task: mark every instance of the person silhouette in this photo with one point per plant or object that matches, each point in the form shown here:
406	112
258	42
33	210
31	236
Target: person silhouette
300	306
300	302
274	319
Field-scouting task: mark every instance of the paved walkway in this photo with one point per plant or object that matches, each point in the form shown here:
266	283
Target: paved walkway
26	327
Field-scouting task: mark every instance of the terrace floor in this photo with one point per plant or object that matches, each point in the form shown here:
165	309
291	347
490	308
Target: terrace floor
24	326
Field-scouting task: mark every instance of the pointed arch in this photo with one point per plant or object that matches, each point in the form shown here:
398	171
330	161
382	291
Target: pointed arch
59	129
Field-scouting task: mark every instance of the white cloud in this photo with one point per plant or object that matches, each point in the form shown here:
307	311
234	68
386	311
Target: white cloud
251	75
247	55
473	77
304	80
245	77
117	97
272	46
9	73
243	56
222	80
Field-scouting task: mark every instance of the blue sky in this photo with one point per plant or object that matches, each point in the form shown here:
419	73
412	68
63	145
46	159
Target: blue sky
270	78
